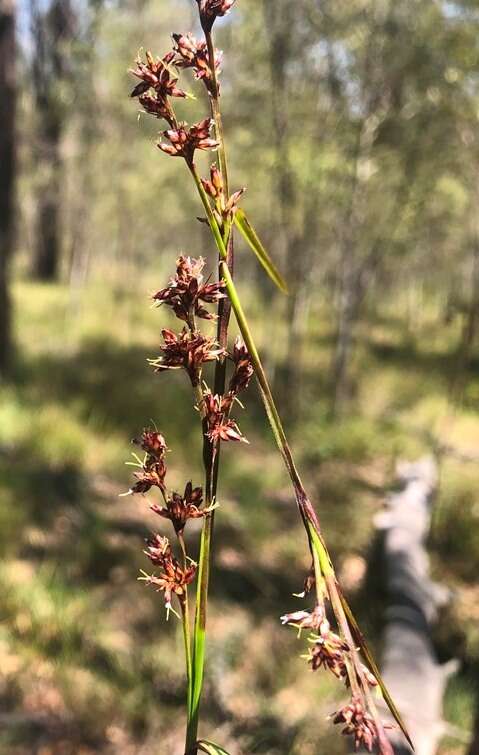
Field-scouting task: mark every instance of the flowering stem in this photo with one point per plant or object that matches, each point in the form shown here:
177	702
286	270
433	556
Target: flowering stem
211	459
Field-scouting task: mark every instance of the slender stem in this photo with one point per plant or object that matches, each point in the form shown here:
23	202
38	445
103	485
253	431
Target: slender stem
216	111
211	454
185	620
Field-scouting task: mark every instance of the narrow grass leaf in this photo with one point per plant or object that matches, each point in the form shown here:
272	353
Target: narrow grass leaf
251	237
211	748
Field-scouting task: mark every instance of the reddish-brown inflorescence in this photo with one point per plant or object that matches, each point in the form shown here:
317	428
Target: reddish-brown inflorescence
153	469
211	9
186	350
243	368
328	650
225	208
186	292
305	619
157	84
184	141
180	508
358	723
191	53
172	579
220	426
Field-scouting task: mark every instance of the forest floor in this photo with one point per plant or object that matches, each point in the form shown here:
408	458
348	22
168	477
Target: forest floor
88	663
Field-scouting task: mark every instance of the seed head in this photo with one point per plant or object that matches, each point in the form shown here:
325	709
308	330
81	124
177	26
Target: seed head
305	619
183	141
191	53
358	724
211	9
328	650
220	427
172	578
152	475
153	443
186	291
156	85
214	187
186	350
180	508
243	371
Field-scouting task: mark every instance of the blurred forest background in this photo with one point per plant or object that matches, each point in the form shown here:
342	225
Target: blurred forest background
354	125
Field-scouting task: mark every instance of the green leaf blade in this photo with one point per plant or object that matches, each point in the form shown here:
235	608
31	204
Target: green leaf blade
252	239
211	748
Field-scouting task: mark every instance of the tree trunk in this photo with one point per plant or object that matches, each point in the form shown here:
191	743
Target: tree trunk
7	173
280	17
52	32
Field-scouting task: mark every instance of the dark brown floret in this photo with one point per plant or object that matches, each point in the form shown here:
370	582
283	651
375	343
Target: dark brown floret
180	508
153	443
328	651
186	350
186	291
173	578
220	427
191	53
358	724
183	141
157	75
214	187
211	9
243	371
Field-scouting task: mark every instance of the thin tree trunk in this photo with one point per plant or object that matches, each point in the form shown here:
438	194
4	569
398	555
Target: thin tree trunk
7	173
52	31
280	18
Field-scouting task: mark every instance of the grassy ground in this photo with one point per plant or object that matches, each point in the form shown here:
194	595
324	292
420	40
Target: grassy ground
87	662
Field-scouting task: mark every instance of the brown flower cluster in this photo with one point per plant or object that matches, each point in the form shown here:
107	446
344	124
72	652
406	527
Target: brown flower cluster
173	578
183	141
191	53
186	350
220	426
224	208
243	369
156	75
305	619
153	468
157	86
180	508
186	292
211	9
358	723
328	650
217	408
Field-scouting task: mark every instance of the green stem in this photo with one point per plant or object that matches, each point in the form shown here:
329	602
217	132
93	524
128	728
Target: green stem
216	112
210	453
185	620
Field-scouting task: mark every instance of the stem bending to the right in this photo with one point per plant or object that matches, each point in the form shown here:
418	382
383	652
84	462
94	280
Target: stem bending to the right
310	520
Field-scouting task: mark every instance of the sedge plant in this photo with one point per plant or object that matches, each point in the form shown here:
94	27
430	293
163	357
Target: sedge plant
334	640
